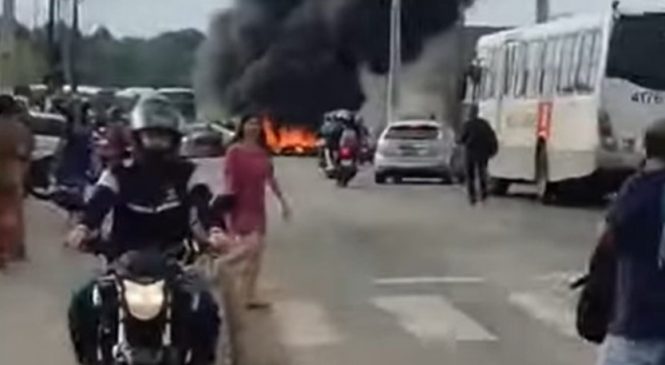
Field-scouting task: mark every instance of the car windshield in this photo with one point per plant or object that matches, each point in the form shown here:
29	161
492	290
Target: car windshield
184	101
416	132
632	38
157	111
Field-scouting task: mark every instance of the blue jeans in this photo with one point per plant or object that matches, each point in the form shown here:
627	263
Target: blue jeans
623	351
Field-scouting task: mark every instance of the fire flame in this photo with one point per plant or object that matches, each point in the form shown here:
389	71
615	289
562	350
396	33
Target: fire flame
288	139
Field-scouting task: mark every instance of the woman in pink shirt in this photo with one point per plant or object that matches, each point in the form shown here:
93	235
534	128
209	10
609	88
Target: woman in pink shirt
248	170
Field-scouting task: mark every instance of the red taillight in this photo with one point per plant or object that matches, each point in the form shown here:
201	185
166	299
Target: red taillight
345	152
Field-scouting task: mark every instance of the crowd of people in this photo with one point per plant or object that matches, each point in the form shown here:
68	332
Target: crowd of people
158	200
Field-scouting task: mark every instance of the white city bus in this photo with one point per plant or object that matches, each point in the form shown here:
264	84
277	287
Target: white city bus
570	99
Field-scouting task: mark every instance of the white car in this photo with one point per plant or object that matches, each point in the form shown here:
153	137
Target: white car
414	148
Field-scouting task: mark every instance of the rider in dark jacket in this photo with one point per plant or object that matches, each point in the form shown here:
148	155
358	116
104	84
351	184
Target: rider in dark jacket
157	201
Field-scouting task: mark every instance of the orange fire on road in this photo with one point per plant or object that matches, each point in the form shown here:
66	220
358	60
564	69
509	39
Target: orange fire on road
289	139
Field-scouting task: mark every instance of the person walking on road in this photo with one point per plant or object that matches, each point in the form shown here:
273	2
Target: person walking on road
480	143
634	235
16	144
248	169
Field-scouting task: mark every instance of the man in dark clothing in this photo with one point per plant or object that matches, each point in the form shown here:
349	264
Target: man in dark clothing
635	233
480	144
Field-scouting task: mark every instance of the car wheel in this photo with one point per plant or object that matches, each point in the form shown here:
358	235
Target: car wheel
379	178
446	178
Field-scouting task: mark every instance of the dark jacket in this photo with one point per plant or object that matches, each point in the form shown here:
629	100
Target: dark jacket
636	222
156	207
479	139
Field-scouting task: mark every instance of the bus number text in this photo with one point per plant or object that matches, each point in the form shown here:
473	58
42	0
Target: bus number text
647	97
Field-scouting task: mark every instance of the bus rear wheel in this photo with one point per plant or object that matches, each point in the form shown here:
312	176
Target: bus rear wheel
545	190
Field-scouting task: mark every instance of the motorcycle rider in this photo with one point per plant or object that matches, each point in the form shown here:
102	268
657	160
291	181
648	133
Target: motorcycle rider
350	132
329	130
157	201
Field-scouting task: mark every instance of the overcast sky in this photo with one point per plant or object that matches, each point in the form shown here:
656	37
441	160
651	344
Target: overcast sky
149	17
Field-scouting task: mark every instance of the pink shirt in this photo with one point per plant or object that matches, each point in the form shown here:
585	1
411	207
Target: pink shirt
247	172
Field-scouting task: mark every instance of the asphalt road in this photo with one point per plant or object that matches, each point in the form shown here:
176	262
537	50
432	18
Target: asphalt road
369	275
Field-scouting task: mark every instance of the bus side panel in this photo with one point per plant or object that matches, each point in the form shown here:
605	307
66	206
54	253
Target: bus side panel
516	131
574	136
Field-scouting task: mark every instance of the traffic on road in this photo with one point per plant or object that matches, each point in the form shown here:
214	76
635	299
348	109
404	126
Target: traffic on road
256	216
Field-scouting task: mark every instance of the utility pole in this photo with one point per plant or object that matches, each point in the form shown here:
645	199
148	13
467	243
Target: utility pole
393	84
8	45
73	47
53	51
542	11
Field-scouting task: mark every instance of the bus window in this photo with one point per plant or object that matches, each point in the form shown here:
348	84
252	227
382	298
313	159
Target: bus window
553	65
495	70
595	57
487	84
521	70
583	78
509	69
637	50
536	67
567	51
571	85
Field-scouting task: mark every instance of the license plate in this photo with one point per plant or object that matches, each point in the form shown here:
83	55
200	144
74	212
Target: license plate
347	163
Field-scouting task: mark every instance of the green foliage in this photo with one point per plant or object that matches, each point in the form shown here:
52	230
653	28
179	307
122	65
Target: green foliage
165	60
107	61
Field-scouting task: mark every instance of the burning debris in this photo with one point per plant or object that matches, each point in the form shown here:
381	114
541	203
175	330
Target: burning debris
296	59
289	140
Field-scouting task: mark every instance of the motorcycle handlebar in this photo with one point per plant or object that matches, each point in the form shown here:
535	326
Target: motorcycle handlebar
185	252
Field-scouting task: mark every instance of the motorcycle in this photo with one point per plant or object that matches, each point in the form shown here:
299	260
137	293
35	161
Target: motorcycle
141	297
347	166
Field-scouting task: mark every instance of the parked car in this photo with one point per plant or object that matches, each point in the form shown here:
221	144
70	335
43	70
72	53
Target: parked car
48	130
414	148
201	140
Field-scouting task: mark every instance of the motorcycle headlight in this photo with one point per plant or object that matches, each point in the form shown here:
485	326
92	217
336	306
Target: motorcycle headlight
144	302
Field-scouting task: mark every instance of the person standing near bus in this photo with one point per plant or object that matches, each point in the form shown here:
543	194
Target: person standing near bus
248	169
480	143
16	144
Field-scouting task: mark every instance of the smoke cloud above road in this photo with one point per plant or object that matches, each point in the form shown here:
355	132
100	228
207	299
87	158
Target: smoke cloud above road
297	59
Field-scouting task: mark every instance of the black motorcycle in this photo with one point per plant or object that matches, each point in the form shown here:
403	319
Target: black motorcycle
145	309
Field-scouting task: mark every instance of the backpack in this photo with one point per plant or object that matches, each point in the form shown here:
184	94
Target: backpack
596	301
490	139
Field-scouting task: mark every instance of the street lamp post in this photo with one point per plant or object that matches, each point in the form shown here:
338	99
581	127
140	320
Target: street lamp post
73	46
7	45
393	84
542	11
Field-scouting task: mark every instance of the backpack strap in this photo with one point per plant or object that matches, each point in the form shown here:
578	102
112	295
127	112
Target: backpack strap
661	247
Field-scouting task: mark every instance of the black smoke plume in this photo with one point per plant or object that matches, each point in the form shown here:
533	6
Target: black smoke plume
297	59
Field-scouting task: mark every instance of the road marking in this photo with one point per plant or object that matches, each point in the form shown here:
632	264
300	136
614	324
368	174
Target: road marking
559	276
432	318
554	310
430	280
304	324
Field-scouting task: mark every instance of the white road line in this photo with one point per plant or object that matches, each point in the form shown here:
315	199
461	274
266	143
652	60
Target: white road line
430	280
554	310
432	318
304	324
559	276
